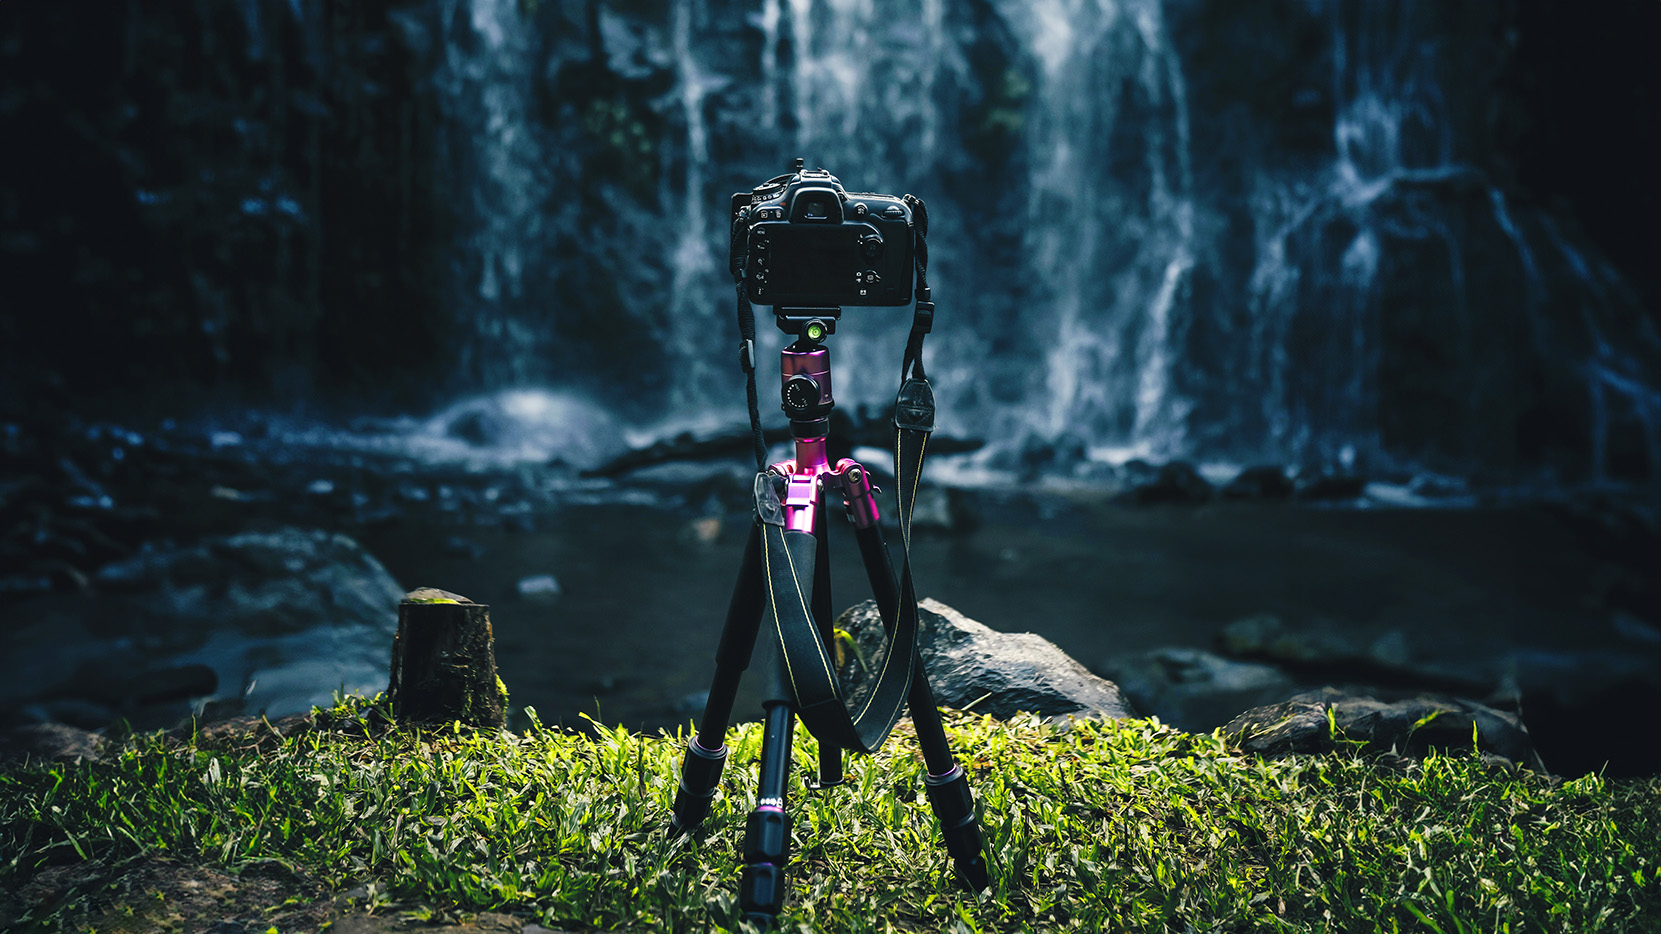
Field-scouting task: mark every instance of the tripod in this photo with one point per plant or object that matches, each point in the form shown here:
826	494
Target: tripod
787	543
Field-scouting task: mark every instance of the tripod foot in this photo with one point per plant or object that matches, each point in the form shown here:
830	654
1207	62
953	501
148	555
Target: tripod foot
766	850
830	767
700	774
954	807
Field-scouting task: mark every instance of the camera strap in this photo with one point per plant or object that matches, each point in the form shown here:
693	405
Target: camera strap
737	255
788	559
789	556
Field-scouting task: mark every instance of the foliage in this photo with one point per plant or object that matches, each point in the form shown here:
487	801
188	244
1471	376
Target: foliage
1123	826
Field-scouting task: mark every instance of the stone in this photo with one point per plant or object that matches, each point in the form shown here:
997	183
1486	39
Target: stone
70	711
1195	690
1320	486
247	731
274	621
972	666
1176	482
538	588
1262	482
1305	724
1326	651
1264	636
943	509
50	742
1041	454
703	531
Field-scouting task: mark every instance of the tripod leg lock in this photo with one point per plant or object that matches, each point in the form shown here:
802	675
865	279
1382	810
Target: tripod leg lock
700	776
766	850
954	807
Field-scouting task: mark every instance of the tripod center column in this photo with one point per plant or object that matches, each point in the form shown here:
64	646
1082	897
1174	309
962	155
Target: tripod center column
805	396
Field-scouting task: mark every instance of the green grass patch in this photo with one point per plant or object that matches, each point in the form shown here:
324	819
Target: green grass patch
1117	826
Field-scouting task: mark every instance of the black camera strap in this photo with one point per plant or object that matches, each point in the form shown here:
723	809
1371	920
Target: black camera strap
789	556
736	257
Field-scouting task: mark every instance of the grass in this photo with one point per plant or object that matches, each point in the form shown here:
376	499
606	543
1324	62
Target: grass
1116	826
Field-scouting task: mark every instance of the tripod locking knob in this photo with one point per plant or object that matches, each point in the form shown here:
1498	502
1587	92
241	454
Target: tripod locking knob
801	394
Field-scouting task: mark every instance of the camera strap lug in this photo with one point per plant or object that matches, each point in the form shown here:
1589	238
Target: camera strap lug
922	320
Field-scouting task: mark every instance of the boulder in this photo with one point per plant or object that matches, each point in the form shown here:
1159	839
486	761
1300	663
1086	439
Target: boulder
1317	721
50	742
1263	482
273	621
1328	652
1177	482
1196	690
1040	454
972	666
942	509
1319	486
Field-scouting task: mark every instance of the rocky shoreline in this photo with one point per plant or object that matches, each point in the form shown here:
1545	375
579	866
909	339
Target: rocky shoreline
176	574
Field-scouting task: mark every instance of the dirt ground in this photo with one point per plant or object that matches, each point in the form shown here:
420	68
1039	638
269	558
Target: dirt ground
152	895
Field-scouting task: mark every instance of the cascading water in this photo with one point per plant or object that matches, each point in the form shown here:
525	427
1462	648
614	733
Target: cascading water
1109	223
1122	261
486	78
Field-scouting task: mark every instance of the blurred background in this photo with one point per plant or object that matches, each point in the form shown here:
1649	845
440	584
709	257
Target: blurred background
1339	317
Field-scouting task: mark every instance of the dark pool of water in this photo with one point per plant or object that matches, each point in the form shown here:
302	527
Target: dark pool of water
631	636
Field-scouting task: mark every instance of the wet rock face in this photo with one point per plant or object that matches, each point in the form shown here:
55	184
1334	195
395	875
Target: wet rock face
971	665
274	621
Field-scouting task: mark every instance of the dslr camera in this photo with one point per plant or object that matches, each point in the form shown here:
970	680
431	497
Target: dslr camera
809	243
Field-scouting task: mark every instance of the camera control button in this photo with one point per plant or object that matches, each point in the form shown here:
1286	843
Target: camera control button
860	210
894	211
871	245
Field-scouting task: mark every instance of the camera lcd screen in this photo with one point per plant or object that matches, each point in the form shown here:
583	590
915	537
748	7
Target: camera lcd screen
809	259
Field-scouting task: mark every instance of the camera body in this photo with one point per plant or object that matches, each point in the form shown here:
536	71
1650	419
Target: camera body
811	244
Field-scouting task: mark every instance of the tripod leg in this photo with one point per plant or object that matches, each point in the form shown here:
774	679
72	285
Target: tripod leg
767	833
946	783
706	752
830	756
761	885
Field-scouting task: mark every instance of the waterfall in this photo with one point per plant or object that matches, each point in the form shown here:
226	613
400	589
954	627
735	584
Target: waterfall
1128	260
486	81
1110	222
694	263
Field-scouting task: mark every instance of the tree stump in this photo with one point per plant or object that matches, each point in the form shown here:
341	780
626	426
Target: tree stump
444	662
